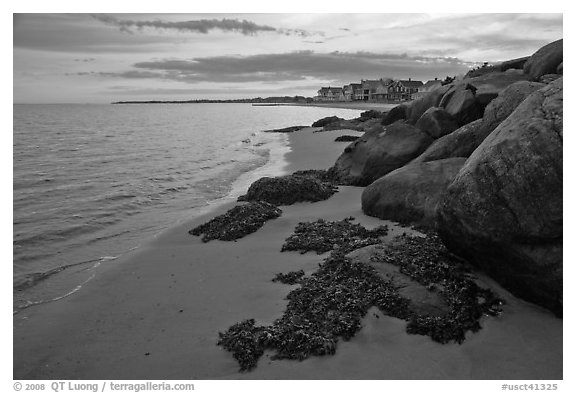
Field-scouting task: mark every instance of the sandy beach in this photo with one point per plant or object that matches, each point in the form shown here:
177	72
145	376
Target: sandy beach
156	313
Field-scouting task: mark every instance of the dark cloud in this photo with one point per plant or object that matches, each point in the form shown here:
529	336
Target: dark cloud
85	60
335	66
200	26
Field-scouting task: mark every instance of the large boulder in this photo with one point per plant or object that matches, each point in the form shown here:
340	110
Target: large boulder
417	107
506	102
545	61
326	120
489	86
411	194
436	122
399	112
503	211
460	143
460	102
378	153
514	64
463	141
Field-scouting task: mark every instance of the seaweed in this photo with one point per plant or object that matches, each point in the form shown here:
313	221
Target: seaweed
331	302
322	236
290	278
346	138
427	261
285	190
237	222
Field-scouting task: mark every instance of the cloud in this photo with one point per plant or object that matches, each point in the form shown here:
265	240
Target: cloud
200	26
272	69
336	66
85	60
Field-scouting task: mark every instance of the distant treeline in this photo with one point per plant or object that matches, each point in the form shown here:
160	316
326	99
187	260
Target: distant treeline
271	100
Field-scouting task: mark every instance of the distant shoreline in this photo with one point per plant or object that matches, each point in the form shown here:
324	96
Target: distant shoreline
360	105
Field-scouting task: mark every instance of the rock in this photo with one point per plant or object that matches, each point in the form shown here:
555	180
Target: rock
370	125
371	114
436	122
326	120
490	85
378	153
460	143
422	104
560	69
399	112
515	64
545	61
342	125
411	194
286	190
287	129
548	78
503	105
461	103
503	211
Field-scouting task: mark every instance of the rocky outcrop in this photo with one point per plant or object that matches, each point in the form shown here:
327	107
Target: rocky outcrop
399	112
326	120
411	194
503	211
422	104
503	105
436	122
545	61
378	153
460	143
489	86
287	130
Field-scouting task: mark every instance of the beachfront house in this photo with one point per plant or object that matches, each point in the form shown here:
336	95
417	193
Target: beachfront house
404	90
427	88
351	90
330	94
374	90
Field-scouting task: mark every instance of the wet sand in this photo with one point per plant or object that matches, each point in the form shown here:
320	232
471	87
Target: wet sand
156	313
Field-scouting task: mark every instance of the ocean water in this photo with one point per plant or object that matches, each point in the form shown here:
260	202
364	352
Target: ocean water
92	182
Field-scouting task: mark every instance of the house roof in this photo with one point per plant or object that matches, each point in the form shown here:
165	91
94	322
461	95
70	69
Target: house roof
327	89
431	83
411	83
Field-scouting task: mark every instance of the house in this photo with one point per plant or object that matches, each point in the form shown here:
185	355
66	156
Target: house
427	88
373	90
404	90
330	94
351	90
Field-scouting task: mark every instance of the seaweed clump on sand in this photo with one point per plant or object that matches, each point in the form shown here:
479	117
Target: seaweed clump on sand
237	222
302	186
322	236
427	261
346	138
289	278
331	302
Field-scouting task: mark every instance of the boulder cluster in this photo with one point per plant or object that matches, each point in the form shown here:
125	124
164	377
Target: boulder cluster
480	161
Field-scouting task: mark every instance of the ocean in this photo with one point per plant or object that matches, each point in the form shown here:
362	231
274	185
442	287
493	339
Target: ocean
92	182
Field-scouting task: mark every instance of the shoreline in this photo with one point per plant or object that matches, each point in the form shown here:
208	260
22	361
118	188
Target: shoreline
156	312
360	105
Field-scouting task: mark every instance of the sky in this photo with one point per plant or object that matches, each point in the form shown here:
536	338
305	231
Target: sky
102	58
